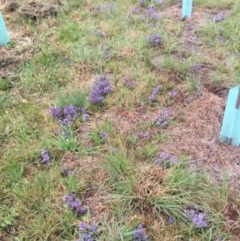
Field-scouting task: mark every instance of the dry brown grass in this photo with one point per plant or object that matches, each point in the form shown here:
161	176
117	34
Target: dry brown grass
197	133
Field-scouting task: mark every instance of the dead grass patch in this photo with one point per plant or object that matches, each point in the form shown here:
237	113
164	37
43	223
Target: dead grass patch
232	216
151	182
35	10
197	134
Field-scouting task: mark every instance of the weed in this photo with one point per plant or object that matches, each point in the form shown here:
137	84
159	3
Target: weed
67	142
77	98
117	164
8	217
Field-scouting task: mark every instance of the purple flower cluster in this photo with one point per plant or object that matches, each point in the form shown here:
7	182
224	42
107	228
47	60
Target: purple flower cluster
56	112
104	136
144	135
69	113
100	88
198	218
153	96
163	118
154	40
196	67
88	232
139	234
150	10
66	172
149	14
45	157
75	204
220	17
85	115
170	220
108	9
166	157
135	10
172	93
66	115
129	83
154	17
220	38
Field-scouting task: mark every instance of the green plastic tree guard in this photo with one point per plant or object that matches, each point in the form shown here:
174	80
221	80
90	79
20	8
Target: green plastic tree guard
230	132
4	36
186	8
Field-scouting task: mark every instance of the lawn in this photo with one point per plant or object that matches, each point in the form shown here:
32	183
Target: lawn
110	116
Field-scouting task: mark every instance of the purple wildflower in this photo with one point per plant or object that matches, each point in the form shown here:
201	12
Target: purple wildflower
144	135
86	237
85	115
56	112
104	135
150	10
197	67
130	83
220	17
172	93
170	220
166	157
66	172
100	88
220	38
139	234
75	204
66	121
153	96
135	10
163	117
70	111
83	226
108	7
66	115
93	228
154	17
45	156
199	221
88	232
154	40
84	111
198	218
97	10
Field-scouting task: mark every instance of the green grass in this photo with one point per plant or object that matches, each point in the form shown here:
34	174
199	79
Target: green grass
115	178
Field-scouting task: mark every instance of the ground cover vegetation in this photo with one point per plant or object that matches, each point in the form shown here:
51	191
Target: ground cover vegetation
110	120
